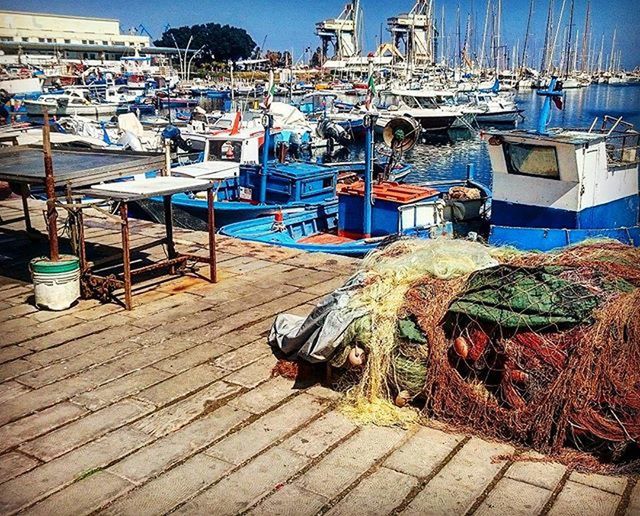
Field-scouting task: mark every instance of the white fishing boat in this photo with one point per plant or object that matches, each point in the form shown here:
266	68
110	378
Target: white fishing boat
71	102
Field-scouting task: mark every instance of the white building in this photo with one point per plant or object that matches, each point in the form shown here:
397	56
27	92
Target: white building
69	37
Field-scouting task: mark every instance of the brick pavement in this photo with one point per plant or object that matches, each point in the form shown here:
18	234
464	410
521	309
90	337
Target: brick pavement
172	408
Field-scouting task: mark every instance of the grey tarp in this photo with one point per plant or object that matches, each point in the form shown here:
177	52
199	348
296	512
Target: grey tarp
314	338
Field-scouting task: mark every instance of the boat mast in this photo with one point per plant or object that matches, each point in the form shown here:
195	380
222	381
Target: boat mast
356	27
555	38
569	33
484	35
498	40
526	37
544	63
613	47
586	38
600	55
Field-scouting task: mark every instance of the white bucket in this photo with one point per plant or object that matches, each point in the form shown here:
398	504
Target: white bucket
56	284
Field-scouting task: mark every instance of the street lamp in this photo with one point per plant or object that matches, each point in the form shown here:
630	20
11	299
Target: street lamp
191	59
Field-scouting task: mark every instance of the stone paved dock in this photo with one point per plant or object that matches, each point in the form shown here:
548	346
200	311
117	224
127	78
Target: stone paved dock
172	408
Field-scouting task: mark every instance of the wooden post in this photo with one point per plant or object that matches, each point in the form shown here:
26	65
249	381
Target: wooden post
50	184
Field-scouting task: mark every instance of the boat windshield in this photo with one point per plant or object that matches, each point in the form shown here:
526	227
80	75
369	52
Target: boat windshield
420	102
222	123
225	150
532	160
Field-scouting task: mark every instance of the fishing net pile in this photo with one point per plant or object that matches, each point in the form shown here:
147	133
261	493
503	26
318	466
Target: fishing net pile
542	349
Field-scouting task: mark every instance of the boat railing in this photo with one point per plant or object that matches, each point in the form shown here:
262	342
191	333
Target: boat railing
622	140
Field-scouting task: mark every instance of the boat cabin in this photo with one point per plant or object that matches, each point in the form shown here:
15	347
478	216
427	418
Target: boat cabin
218	156
585	182
289	183
396	207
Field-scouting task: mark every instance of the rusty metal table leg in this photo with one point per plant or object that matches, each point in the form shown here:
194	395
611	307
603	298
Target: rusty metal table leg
213	270
168	224
126	254
82	250
24	193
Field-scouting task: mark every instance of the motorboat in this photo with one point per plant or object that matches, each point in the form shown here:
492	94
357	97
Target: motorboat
69	102
434	110
492	108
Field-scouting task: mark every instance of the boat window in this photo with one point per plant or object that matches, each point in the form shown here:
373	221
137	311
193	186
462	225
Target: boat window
411	102
223	123
197	145
225	150
532	160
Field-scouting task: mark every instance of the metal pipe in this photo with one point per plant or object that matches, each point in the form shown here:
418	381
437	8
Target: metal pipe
50	184
545	111
126	254
267	121
368	175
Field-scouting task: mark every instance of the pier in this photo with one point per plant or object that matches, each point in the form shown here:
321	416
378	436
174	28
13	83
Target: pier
172	406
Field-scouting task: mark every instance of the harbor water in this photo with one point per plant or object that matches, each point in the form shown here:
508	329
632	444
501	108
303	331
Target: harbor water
448	158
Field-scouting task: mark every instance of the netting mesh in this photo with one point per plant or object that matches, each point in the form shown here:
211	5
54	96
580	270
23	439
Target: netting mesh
539	349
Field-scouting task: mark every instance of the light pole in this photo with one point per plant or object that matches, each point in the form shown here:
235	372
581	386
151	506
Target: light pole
191	59
178	49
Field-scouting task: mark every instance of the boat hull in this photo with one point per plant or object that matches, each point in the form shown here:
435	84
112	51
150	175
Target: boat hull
38	108
546	239
504	117
226	212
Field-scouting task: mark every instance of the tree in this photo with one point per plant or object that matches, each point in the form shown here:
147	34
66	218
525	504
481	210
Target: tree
221	42
316	59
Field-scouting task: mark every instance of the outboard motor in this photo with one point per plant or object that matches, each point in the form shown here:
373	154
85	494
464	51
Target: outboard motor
172	133
333	132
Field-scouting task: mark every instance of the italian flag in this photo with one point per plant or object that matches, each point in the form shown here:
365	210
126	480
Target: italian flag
268	97
371	91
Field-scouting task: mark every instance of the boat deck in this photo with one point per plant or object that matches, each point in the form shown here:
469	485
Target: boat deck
172	406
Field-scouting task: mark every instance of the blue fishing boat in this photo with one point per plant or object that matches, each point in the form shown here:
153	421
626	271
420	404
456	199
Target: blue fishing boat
367	213
247	190
556	187
264	190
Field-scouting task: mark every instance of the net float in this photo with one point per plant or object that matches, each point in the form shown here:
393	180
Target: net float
403	398
461	347
356	356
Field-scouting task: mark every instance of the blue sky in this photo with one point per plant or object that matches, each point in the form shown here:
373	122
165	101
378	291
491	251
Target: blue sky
290	23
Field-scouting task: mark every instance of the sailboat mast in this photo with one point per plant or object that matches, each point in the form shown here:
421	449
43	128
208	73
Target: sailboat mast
544	63
613	47
586	37
555	38
601	54
356	27
526	36
484	34
499	28
570	32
